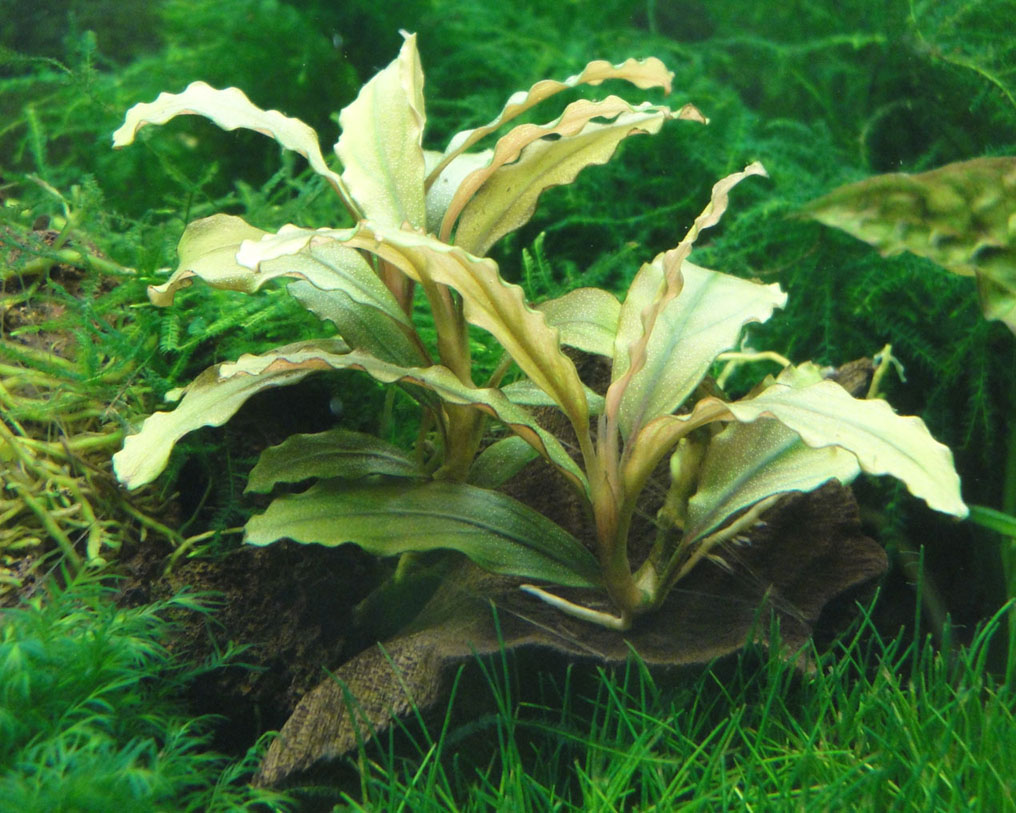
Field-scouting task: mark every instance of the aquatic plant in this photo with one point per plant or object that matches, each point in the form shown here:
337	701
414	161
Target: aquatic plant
91	709
958	216
424	220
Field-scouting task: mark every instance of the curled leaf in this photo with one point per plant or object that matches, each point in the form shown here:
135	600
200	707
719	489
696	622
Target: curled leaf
646	73
507	199
230	109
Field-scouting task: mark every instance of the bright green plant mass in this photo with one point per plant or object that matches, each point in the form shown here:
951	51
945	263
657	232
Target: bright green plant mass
424	221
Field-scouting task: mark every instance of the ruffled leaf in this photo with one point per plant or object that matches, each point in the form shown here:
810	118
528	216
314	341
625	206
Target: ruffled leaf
488	301
508	198
573	121
211	399
215	395
335	453
694	327
960	216
230	109
745	463
497	532
646	73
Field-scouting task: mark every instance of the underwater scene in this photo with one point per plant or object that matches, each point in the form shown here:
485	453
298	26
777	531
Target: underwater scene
460	406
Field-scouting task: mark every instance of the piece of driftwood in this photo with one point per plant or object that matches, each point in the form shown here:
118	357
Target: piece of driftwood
809	551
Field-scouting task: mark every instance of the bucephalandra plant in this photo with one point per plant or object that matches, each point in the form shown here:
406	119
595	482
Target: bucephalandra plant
424	220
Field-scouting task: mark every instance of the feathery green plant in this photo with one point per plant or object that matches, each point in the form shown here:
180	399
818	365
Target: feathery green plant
91	716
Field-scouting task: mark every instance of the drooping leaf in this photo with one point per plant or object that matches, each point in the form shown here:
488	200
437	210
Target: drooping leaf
207	250
824	414
381	146
702	321
211	399
489	301
745	463
500	461
508	198
334	453
215	395
646	73
586	318
324	262
361	326
570	123
231	110
497	532
960	216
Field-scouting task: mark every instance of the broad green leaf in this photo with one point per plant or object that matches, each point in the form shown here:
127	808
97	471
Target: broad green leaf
361	326
570	123
207	250
825	414
508	198
586	318
745	463
646	73
381	146
960	216
497	532
652	290
702	321
231	110
500	461
525	392
331	454
211	399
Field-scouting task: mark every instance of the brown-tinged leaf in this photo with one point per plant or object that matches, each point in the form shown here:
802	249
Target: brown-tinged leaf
508	198
573	121
381	146
645	73
960	216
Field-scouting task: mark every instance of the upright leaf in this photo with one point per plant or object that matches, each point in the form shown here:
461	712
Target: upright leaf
381	146
488	301
638	319
694	327
586	318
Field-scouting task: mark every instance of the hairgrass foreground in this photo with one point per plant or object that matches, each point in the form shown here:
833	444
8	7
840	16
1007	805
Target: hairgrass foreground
880	724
